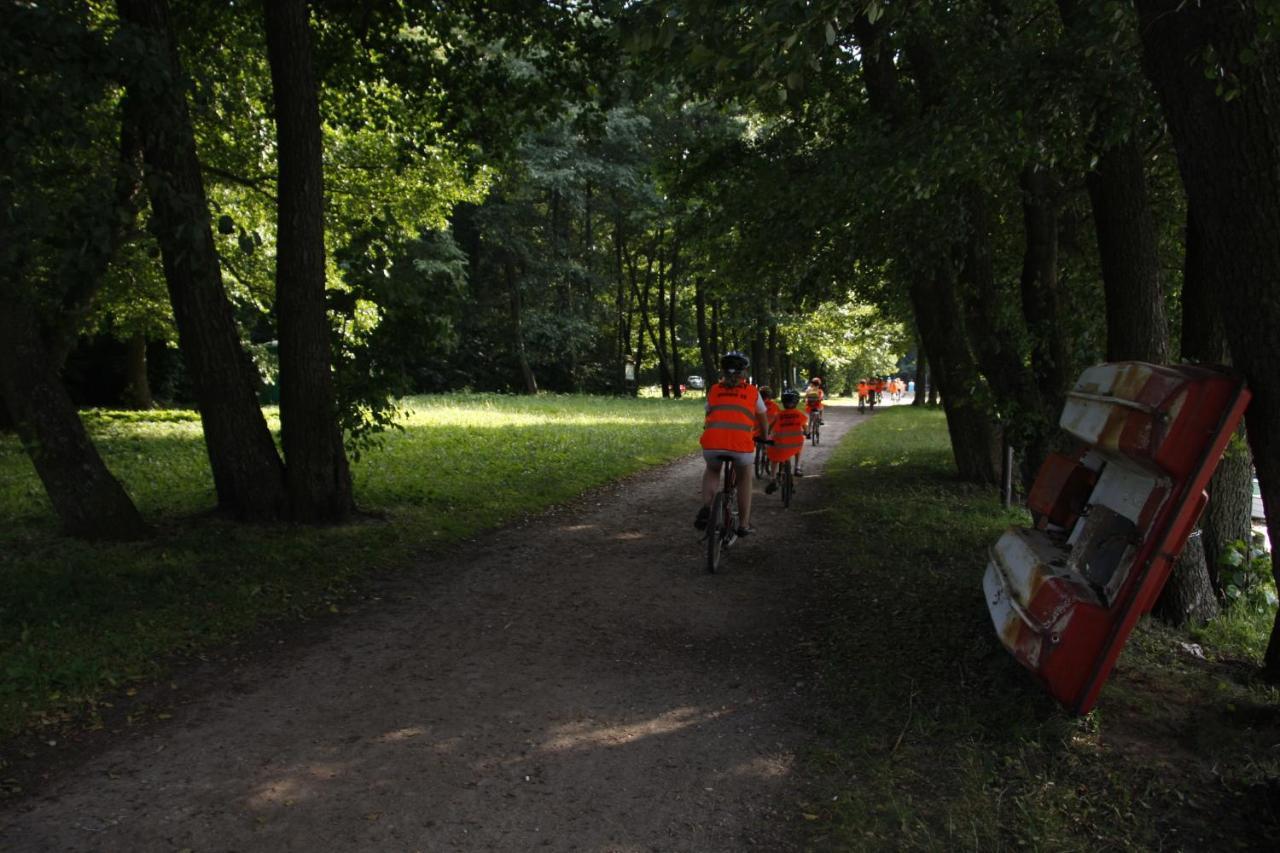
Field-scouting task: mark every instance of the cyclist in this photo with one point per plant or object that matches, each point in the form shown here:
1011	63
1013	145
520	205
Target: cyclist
878	387
788	437
771	408
813	397
734	410
863	390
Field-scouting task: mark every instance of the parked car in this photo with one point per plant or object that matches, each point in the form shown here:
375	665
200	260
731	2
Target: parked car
1257	502
696	383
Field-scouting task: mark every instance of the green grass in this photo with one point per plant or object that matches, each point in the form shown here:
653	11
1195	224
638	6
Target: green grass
80	621
941	741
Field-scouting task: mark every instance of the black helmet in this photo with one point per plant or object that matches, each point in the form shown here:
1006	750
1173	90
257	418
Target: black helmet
790	397
734	362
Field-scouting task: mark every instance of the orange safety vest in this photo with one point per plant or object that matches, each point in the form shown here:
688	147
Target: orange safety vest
771	410
788	435
862	389
731	418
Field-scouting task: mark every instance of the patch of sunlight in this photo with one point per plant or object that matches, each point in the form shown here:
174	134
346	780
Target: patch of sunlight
587	734
402	734
630	535
765	767
481	419
295	786
577	528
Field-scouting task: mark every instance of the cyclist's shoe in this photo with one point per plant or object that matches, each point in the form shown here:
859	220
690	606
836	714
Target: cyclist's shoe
771	488
745	531
700	521
799	473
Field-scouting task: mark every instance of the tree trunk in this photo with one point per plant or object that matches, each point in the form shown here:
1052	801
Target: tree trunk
933	383
660	342
1226	518
1229	157
704	336
316	470
922	368
757	355
88	500
672	324
998	335
247	472
1136	327
938	317
717	345
620	306
137	390
1041	295
771	373
1191	601
517	327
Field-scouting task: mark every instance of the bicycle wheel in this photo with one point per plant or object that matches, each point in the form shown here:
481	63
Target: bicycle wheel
862	405
814	429
788	485
762	462
715	532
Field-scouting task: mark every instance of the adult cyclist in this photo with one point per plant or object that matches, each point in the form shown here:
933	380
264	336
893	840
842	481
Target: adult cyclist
735	410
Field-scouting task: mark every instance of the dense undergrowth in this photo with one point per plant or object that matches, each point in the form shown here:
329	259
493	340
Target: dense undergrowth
940	741
80	622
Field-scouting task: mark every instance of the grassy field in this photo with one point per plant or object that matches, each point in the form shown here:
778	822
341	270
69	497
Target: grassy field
78	622
940	741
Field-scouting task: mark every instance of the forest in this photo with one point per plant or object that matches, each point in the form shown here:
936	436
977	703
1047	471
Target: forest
331	206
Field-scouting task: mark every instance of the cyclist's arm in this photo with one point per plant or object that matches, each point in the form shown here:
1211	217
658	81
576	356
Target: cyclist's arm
762	418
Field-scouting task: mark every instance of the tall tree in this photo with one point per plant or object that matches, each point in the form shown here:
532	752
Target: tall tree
316	473
1136	324
63	216
247	472
1218	76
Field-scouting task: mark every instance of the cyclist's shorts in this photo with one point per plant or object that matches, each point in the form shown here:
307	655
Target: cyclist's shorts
813	406
748	458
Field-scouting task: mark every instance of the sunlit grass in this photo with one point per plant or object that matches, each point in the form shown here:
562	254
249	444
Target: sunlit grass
78	620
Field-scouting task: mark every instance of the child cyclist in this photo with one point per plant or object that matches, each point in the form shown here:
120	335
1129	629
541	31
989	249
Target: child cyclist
789	433
735	410
813	397
771	408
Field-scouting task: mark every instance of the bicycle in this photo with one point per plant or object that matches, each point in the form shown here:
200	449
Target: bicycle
722	522
862	404
815	424
762	462
788	486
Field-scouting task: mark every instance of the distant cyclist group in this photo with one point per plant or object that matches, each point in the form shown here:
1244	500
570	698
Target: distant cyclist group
871	391
744	426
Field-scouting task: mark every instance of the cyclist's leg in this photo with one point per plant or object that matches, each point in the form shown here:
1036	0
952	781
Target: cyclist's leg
744	496
710	485
795	462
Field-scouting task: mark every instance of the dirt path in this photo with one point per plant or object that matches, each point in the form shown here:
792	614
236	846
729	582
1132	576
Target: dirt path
580	683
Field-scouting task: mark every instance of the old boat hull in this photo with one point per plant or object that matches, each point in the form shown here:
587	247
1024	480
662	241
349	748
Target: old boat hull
1111	519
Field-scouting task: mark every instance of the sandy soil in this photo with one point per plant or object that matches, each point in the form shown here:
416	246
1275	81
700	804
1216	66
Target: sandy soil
575	683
